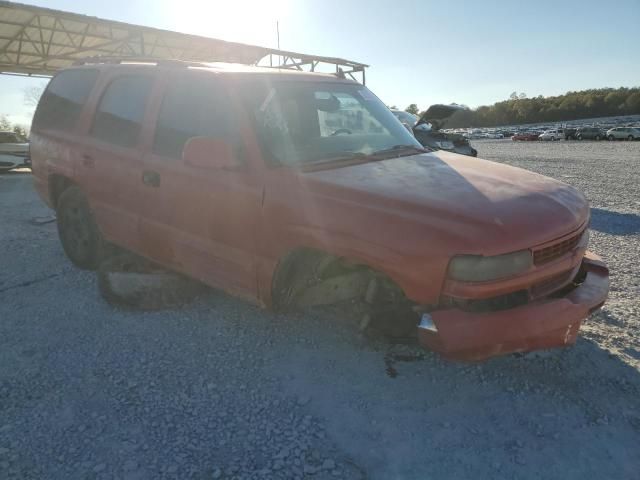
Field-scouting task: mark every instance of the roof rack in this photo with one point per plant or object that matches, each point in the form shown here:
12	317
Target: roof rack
41	41
312	63
286	62
132	59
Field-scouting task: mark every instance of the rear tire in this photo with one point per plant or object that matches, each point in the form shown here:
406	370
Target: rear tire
77	229
579	137
630	138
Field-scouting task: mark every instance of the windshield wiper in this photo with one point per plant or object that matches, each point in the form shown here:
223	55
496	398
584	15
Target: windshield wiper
338	157
346	156
398	148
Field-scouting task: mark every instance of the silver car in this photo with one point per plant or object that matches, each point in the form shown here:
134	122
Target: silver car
14	151
624	133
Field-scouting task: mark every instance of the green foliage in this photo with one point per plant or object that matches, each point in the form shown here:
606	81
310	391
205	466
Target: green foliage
413	108
20	130
519	109
6	126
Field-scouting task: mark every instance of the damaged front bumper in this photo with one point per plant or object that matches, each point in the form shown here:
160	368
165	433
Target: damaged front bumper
546	323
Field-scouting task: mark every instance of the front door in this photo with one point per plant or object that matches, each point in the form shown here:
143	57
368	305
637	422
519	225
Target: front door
199	221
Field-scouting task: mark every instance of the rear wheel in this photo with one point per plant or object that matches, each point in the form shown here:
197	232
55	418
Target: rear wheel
77	229
579	137
630	137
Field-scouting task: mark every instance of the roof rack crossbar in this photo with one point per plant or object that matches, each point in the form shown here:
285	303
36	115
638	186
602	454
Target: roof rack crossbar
136	59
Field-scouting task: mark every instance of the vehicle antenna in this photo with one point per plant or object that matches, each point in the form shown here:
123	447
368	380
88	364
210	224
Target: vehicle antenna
278	37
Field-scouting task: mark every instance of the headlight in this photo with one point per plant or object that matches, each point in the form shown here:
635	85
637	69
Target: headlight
476	268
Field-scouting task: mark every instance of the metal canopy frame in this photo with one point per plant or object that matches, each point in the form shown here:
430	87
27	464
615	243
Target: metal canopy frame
38	41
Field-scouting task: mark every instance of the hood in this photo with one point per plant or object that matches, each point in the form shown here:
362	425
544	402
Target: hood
477	206
437	114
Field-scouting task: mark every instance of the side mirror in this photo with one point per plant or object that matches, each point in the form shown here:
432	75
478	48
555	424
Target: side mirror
210	153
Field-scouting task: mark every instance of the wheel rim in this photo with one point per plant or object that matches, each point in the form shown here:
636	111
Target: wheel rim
76	231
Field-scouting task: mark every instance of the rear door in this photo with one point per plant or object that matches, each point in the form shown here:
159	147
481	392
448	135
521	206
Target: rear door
111	160
59	125
196	220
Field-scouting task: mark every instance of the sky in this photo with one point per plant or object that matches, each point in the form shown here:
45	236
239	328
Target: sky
423	52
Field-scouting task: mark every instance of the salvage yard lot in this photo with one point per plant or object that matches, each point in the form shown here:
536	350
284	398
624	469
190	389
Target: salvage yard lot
221	389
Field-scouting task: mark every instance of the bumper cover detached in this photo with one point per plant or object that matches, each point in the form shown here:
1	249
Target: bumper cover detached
545	323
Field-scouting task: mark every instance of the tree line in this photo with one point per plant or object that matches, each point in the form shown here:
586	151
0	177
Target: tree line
518	109
7	126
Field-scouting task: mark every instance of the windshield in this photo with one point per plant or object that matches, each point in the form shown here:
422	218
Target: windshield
309	122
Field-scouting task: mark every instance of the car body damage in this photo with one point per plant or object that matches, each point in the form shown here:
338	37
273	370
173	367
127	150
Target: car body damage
305	190
414	214
428	131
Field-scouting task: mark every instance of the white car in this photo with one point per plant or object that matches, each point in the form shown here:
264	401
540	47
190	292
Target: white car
555	134
14	151
624	133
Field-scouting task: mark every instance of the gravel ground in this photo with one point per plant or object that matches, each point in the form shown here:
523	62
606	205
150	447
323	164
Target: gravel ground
220	389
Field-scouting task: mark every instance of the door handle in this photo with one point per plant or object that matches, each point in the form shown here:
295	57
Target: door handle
151	178
87	160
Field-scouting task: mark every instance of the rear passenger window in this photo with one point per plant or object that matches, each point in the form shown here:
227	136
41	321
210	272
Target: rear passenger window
62	101
119	116
192	107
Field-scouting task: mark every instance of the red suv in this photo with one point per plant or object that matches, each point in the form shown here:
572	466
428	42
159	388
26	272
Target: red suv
294	189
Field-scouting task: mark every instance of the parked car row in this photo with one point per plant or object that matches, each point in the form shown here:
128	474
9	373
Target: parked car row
581	133
610	128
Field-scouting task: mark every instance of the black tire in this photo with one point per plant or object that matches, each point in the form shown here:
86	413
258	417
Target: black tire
579	137
77	229
630	138
611	138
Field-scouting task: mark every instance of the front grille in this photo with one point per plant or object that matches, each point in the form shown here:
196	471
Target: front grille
493	304
550	285
550	253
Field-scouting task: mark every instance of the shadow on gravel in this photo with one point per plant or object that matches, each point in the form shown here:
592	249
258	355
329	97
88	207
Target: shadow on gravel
503	418
614	223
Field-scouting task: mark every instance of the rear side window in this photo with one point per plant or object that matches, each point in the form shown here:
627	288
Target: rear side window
62	101
192	107
119	115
